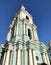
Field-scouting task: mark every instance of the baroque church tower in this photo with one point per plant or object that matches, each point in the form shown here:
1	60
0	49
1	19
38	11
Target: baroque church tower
22	45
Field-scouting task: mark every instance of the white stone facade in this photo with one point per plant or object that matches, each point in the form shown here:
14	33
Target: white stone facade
22	45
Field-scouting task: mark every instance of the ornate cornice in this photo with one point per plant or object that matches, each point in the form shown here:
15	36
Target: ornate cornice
44	46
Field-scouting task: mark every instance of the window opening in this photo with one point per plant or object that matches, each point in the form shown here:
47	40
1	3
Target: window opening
37	58
29	33
27	17
12	32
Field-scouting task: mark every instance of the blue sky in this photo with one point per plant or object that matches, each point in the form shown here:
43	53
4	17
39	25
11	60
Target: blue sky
39	9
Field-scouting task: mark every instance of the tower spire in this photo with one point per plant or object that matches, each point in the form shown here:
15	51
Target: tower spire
22	7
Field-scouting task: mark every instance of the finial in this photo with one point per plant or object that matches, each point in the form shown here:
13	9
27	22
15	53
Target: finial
22	7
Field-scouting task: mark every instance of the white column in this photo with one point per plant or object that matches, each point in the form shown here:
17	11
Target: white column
26	58
47	59
16	56
10	58
19	57
22	60
9	35
24	27
30	57
7	57
17	29
35	34
44	58
4	58
34	58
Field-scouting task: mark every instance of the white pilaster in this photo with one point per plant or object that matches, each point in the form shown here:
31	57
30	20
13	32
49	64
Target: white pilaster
30	57
44	58
17	29
34	58
35	34
7	57
9	35
10	58
47	59
16	56
26	58
4	58
24	27
22	60
19	57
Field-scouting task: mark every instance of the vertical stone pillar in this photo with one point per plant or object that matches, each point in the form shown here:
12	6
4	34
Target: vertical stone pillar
14	57
10	59
25	57
4	58
7	57
30	57
22	58
35	34
47	59
9	35
17	29
19	57
44	58
34	58
24	27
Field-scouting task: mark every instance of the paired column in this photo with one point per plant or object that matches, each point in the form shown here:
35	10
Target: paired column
34	58
9	34
30	57
7	58
24	28
10	58
47	59
19	57
25	57
14	53
17	29
16	56
4	59
35	34
44	58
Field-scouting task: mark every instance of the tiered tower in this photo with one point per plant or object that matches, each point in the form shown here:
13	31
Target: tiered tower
22	45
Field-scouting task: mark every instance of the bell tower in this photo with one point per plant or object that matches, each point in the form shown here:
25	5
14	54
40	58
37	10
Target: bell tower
22	45
22	27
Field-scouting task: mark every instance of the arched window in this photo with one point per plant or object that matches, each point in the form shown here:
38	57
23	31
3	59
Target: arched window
12	32
29	33
37	58
27	17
